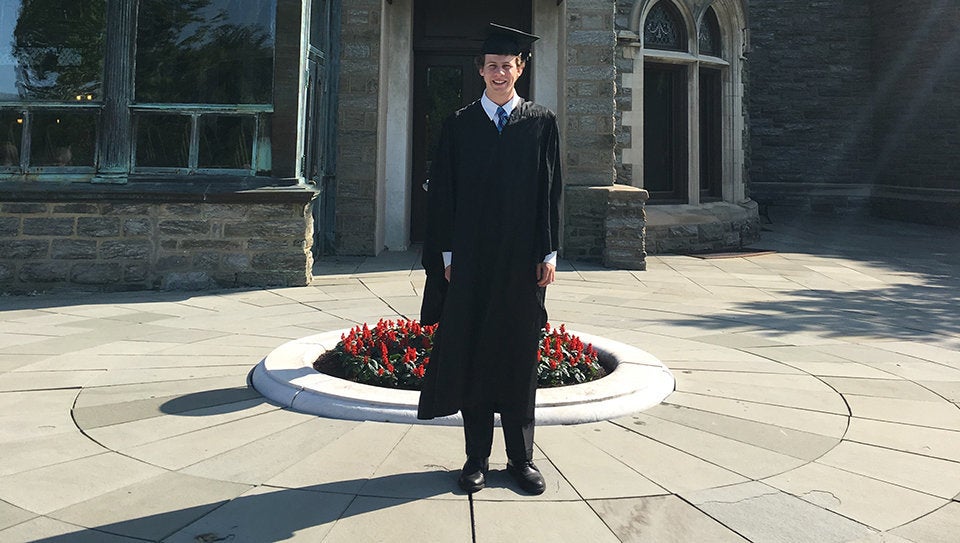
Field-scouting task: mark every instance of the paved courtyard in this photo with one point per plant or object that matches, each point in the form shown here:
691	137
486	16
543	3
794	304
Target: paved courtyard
817	401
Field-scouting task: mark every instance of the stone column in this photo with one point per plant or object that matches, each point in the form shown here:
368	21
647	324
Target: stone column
603	222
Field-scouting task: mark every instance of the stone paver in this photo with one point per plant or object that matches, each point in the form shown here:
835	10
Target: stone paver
817	402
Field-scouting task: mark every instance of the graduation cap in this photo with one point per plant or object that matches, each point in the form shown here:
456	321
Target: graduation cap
503	40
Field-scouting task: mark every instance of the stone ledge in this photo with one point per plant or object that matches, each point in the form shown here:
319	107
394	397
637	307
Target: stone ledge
686	228
286	376
206	189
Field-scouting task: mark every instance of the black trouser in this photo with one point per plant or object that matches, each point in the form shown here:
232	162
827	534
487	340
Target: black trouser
478	433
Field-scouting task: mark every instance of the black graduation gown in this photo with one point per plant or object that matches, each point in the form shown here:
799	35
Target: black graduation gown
494	201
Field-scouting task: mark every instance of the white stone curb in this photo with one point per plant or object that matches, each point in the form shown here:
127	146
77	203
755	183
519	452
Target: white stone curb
286	376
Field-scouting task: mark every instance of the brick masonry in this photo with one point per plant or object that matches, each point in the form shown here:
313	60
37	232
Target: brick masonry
130	246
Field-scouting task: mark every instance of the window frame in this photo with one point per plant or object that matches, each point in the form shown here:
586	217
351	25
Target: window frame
116	112
729	187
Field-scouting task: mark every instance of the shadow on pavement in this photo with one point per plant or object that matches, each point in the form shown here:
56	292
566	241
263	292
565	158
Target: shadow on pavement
272	514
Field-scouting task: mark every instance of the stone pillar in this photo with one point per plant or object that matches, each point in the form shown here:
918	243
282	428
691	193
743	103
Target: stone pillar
590	88
357	132
606	225
603	222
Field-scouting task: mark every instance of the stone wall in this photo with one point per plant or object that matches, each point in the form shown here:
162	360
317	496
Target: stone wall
917	171
606	225
590	88
603	222
715	226
129	244
357	137
811	84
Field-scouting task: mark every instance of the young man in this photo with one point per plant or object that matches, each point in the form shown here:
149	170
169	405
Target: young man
494	204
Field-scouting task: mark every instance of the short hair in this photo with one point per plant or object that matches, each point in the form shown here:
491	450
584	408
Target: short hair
480	61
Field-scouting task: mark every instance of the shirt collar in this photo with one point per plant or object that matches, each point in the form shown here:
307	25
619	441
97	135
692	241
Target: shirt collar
490	107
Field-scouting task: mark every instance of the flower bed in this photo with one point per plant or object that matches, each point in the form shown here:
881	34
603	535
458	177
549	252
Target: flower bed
395	354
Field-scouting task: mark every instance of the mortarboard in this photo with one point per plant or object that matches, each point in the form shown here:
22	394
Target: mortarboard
503	40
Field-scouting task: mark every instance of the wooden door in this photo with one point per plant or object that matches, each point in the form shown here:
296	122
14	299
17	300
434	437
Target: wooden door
447	37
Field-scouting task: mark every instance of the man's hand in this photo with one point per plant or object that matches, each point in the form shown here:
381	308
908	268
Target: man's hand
446	273
546	273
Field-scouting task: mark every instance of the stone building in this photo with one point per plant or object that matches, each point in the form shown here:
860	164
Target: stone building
853	107
170	144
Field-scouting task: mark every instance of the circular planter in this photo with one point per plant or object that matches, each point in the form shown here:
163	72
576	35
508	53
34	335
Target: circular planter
636	380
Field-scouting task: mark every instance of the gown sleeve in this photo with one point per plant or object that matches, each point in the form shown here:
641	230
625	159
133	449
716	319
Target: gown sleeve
441	199
551	189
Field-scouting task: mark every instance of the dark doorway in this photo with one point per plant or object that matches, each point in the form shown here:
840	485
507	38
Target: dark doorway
711	135
664	133
446	37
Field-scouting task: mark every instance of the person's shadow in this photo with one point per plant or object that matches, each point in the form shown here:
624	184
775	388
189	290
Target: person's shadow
266	513
263	513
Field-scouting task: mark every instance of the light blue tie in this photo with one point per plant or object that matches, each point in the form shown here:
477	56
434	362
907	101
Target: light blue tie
501	118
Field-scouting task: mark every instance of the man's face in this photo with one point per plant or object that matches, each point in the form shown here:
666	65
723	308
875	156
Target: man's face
500	73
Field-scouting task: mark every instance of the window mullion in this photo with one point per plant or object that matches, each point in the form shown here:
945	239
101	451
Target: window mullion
194	159
693	134
25	140
115	134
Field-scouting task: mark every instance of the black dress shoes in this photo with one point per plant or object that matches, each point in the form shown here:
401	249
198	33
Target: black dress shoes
527	476
471	476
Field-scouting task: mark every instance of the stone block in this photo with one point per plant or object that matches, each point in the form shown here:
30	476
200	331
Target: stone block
7	272
181	210
98	227
9	227
195	280
267	228
76	208
135	272
278	261
684	231
206	244
183	227
236	262
24	249
73	249
712	231
23	208
95	273
137	227
43	272
226	211
172	262
206	261
125	249
48	226
142	210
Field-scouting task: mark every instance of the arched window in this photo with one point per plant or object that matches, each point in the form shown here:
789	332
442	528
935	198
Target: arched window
664	28
688	150
708	35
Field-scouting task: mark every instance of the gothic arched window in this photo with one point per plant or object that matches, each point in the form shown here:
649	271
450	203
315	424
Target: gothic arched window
664	28
687	151
708	35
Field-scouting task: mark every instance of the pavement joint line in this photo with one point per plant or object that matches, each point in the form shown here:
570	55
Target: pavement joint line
764	403
698	457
